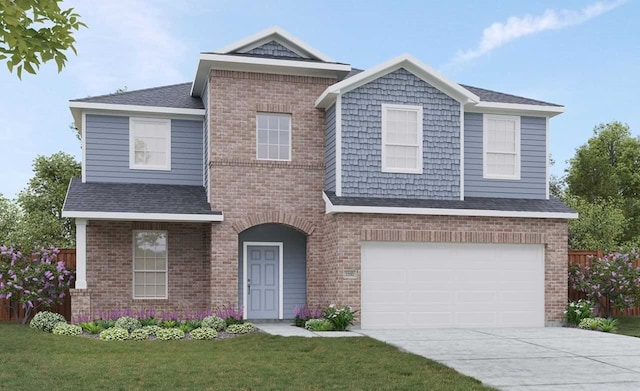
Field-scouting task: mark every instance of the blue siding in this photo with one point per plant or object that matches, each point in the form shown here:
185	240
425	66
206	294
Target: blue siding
330	149
294	276
107	154
362	140
532	164
275	49
205	137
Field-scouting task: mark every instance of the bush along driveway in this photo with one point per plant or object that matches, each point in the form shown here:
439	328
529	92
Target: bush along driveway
531	359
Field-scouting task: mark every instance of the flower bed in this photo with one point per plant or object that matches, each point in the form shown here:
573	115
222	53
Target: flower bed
332	318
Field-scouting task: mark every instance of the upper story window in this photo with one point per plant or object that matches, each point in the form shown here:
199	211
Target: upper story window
150	144
273	136
150	264
501	146
402	139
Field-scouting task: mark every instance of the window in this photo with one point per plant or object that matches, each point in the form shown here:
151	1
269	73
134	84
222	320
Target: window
402	139
150	265
150	144
501	147
274	136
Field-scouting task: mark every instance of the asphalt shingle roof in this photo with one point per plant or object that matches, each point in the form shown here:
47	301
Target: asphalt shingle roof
136	198
552	205
500	97
176	96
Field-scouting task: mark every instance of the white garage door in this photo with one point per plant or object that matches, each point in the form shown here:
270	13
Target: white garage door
414	285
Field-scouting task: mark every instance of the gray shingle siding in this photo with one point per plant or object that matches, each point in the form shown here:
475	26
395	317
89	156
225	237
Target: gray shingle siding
294	262
362	139
330	149
532	164
107	154
274	49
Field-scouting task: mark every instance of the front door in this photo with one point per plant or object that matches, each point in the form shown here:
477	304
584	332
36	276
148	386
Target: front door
263	264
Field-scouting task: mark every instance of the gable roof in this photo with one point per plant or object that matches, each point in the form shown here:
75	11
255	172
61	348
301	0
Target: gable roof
175	95
407	62
281	37
122	201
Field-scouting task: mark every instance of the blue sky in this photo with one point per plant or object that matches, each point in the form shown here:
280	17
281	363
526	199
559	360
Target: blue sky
582	54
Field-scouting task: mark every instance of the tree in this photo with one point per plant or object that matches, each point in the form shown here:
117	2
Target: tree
42	201
607	168
33	32
600	226
9	218
32	281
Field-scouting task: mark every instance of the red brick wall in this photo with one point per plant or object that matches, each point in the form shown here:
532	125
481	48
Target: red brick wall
346	231
246	188
110	270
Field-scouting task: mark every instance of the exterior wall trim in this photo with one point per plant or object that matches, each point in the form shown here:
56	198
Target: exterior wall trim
136	108
280	275
274	217
339	145
547	158
462	151
332	209
173	217
81	254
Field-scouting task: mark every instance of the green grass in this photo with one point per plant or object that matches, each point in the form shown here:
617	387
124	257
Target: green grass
31	359
629	325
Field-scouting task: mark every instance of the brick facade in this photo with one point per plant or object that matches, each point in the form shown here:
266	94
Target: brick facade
110	270
252	192
344	233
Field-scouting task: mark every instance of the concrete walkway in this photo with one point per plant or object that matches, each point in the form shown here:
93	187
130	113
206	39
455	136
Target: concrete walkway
528	359
288	330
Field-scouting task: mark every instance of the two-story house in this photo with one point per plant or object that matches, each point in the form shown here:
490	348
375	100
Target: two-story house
279	177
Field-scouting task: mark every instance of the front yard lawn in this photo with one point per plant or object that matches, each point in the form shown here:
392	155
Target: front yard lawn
629	325
31	359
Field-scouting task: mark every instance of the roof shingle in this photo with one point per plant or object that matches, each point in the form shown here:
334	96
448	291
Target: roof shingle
175	96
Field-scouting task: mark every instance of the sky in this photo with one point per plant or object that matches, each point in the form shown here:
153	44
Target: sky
584	55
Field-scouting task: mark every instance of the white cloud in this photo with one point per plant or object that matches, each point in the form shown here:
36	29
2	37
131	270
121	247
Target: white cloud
127	43
499	34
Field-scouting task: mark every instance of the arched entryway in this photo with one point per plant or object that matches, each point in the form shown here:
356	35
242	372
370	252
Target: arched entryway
272	265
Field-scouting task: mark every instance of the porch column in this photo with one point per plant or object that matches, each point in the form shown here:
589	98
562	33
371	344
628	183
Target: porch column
81	254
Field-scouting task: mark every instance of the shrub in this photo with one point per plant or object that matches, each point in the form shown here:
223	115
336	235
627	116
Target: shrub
32	281
105	324
203	333
91	327
140	334
62	328
340	317
128	323
302	314
114	334
151	330
589	323
578	310
149	322
319	324
231	315
169	324
613	279
214	322
46	321
608	325
169	334
240	328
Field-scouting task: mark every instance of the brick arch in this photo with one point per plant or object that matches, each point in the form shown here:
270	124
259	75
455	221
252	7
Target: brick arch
274	217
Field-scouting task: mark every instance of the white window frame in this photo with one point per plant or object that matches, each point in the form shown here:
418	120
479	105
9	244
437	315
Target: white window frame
166	123
290	132
134	270
485	146
419	136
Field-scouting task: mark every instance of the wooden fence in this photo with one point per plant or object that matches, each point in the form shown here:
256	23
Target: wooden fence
582	257
68	255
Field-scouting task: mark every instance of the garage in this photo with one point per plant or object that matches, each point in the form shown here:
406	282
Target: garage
434	285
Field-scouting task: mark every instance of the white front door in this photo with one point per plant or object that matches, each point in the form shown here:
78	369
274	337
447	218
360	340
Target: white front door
431	285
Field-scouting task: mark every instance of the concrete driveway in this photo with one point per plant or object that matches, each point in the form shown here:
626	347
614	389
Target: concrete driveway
528	359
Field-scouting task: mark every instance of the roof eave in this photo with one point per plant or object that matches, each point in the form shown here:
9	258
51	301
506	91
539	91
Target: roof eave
515	108
130	216
78	107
